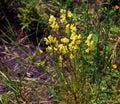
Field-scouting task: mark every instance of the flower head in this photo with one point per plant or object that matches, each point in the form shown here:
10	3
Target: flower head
49	49
67	29
63	49
116	7
53	23
63	20
73	36
70	15
65	40
73	28
51	40
71	56
60	58
40	51
89	43
52	19
114	66
62	12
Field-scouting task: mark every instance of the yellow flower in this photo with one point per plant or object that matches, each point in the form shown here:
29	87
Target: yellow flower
87	50
55	49
91	11
63	16
116	7
79	36
54	26
49	49
114	66
90	46
63	49
60	58
40	51
65	40
73	28
90	43
73	46
88	39
70	46
63	20
67	29
78	42
90	36
70	14
51	40
71	56
46	40
62	12
52	19
60	47
87	42
55	41
73	36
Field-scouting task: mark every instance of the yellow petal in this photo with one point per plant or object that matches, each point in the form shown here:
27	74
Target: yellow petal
65	40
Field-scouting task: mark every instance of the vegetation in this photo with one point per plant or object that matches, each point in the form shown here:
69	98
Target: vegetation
76	58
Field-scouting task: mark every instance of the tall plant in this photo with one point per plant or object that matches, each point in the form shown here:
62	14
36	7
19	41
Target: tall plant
81	58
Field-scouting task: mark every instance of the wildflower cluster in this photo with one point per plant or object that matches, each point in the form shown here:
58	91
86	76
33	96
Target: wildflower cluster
68	45
52	43
64	14
53	23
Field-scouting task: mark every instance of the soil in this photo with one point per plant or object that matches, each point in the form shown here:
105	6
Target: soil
17	67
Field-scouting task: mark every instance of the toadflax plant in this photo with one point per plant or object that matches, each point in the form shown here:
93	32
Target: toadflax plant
72	55
65	47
